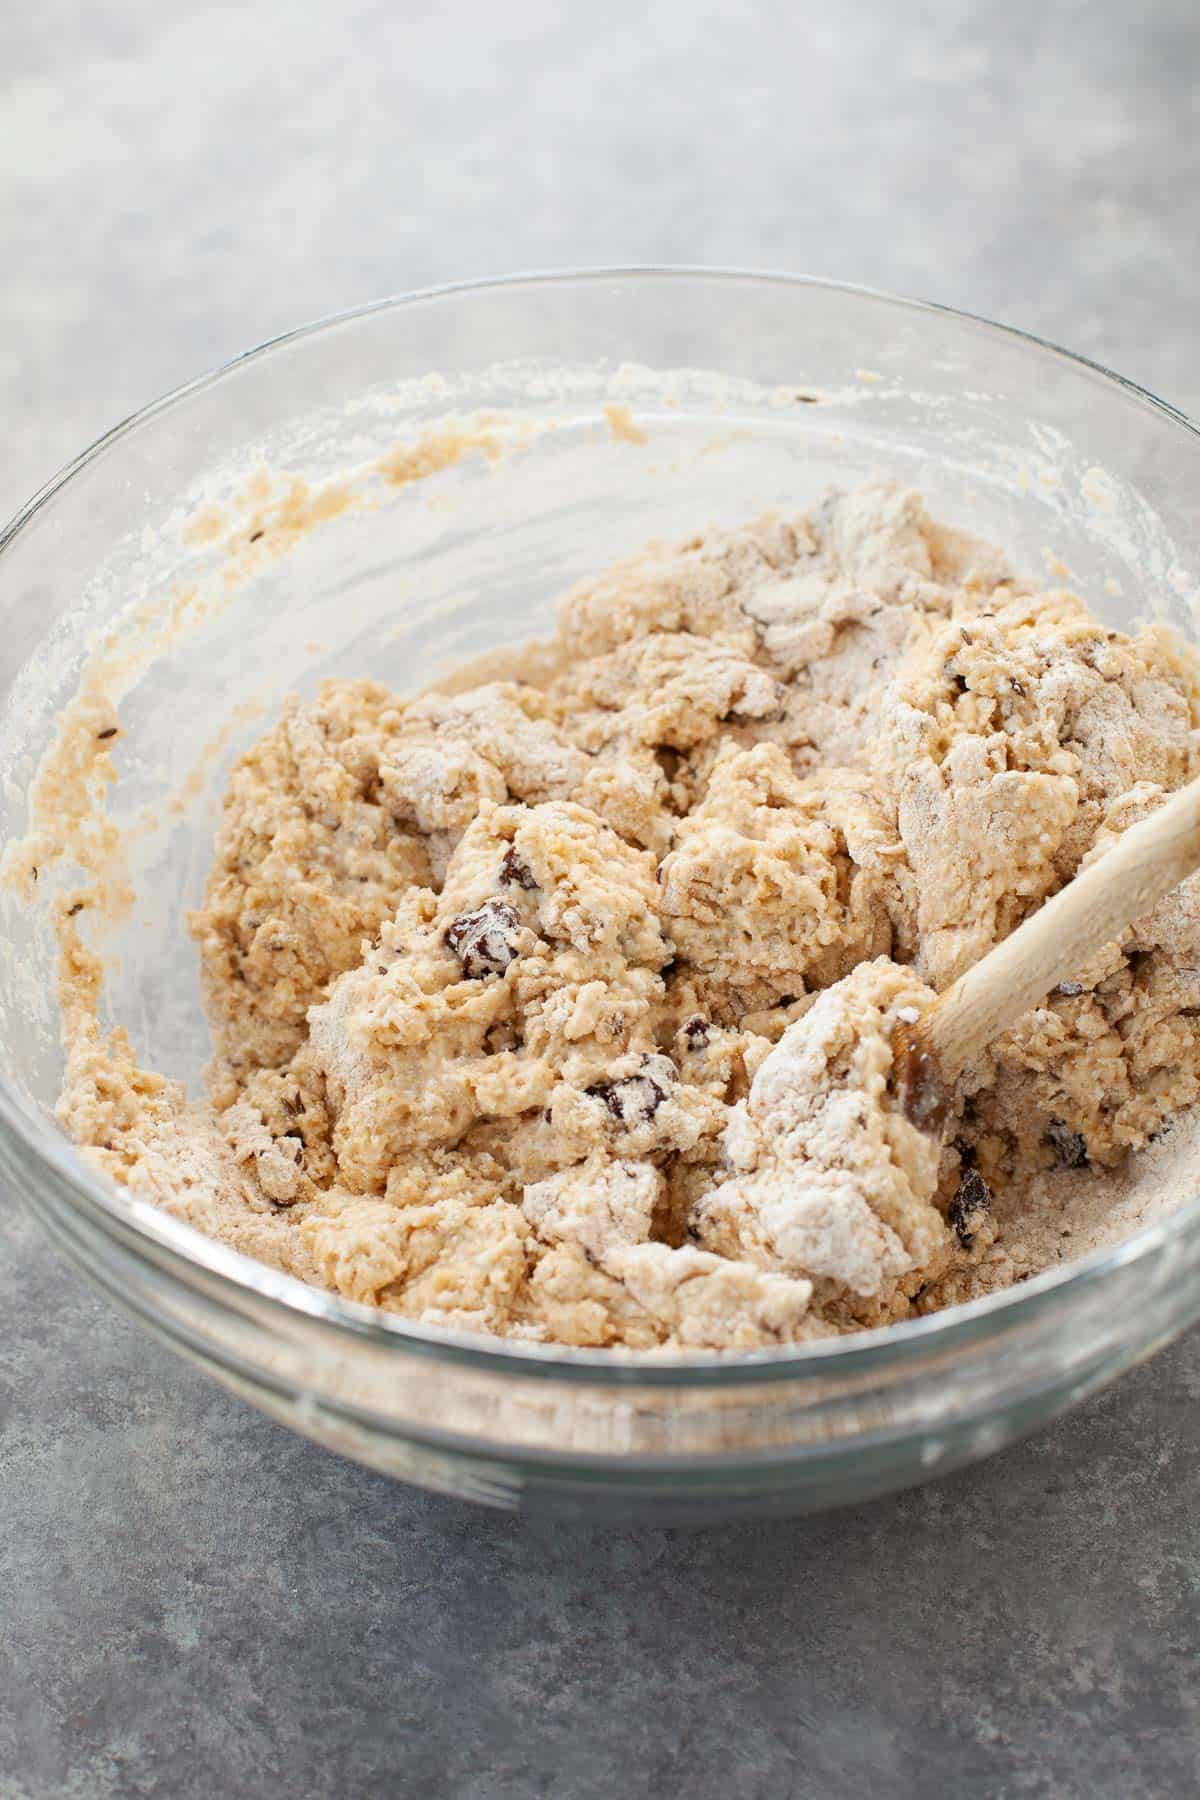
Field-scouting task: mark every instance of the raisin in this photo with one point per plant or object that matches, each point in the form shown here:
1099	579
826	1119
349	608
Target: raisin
1068	1146
110	731
635	1099
695	1030
515	871
485	941
969	1207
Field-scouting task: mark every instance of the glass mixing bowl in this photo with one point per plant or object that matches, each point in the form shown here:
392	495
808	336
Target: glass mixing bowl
594	412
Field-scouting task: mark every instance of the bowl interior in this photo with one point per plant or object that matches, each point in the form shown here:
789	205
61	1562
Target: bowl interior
399	491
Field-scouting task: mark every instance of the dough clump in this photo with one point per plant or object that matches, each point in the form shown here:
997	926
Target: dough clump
562	1009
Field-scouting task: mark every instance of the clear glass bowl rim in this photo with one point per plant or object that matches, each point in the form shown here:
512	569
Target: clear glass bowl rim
34	1146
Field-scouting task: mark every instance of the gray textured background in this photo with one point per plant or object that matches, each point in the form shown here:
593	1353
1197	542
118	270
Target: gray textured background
193	1602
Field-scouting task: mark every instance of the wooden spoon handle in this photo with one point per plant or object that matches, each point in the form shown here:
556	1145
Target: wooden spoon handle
1145	863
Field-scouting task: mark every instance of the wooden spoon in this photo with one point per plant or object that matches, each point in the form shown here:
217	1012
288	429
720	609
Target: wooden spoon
1145	863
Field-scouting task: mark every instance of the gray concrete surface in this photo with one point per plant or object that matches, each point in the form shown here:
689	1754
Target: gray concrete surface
192	1602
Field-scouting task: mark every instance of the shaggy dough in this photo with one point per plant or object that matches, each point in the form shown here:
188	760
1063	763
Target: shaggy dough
562	1009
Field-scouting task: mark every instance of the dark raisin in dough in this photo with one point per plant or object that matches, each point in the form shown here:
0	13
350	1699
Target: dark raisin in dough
485	942
969	1207
635	1099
